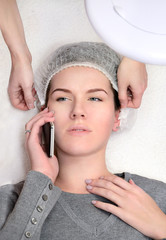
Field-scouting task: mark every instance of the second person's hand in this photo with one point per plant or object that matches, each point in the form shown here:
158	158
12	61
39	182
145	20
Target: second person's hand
20	88
132	82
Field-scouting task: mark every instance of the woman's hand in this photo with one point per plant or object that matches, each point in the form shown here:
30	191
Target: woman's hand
132	82
133	205
39	160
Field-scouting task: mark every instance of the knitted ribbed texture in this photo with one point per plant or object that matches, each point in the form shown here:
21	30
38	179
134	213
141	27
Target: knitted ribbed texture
90	54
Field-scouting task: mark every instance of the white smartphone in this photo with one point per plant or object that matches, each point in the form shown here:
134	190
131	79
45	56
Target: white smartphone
48	138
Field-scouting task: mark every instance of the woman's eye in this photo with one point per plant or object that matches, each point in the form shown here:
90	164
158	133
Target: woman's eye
95	99
61	99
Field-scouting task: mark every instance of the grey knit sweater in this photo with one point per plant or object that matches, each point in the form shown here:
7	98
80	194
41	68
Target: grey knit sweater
36	209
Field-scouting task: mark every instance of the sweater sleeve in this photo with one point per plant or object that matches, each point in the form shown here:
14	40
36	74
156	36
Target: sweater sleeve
23	210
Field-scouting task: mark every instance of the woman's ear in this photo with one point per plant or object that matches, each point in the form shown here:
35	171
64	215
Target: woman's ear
116	125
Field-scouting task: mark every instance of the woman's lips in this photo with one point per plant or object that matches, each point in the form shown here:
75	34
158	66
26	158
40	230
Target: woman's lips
78	130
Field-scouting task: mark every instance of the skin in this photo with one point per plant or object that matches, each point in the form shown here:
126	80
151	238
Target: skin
81	97
73	79
131	74
134	206
20	89
132	82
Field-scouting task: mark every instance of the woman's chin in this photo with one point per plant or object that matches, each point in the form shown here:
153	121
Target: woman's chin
79	150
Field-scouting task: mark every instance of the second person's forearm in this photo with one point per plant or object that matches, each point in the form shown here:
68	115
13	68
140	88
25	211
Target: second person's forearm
12	30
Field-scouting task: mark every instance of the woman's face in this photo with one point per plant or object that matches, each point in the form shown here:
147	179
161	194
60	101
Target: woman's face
84	110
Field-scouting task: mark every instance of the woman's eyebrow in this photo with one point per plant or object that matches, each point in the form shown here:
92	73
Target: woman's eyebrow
61	90
89	91
96	90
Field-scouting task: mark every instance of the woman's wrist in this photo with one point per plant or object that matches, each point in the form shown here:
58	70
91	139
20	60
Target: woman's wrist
51	176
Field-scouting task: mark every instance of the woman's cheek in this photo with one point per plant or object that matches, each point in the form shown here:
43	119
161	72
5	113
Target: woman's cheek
60	116
106	119
57	107
106	114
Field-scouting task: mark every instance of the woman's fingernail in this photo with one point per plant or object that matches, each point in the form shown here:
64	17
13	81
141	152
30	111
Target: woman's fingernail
93	202
131	181
89	187
88	180
52	111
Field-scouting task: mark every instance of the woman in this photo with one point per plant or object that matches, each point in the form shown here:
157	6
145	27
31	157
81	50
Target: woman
72	195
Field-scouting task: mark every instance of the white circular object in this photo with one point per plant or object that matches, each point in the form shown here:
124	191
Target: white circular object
134	28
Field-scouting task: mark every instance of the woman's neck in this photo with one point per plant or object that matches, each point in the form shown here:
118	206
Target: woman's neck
74	170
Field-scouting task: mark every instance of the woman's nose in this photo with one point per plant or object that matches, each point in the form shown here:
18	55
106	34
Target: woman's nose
78	112
77	115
